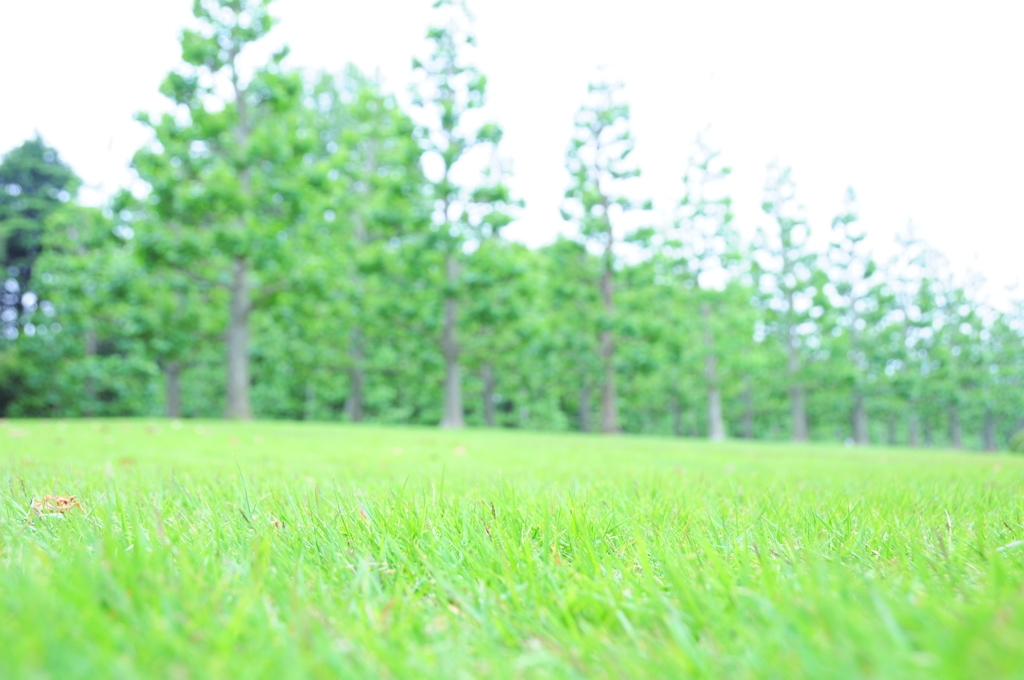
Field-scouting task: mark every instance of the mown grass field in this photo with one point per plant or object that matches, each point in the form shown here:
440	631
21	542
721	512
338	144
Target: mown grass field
270	550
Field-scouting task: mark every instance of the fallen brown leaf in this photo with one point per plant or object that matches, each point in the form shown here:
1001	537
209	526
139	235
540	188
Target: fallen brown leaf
59	504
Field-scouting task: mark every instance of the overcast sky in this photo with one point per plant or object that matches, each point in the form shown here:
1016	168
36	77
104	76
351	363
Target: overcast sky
919	106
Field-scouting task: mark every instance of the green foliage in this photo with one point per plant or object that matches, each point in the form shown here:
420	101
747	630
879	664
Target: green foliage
85	357
703	335
229	176
447	95
448	92
599	164
12	380
34	183
791	283
368	214
1017	442
308	249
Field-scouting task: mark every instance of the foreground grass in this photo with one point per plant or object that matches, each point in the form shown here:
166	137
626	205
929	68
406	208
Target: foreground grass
214	550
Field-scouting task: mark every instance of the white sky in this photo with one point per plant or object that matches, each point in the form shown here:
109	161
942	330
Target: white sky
917	105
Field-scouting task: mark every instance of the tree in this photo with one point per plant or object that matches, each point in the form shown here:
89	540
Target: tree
79	351
1002	348
701	249
1009	333
940	340
598	162
372	199
448	91
34	183
499	290
226	174
292	254
164	310
571	305
958	355
858	310
907	274
788	275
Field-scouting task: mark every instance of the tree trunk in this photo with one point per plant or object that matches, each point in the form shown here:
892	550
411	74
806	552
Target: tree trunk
799	411
309	408
956	433
488	378
860	421
893	439
240	306
797	396
524	409
990	430
238	407
716	424
356	374
354	403
172	375
929	440
91	345
912	430
585	407
748	407
677	416
453	416
609	407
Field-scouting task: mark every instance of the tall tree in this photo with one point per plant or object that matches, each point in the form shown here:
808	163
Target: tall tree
81	336
448	91
703	247
372	202
1007	355
34	183
858	310
496	285
571	305
1001	346
787	270
599	164
499	290
164	310
959	356
226	173
906	274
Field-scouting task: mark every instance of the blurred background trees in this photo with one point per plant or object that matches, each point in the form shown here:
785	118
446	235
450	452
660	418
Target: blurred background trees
305	247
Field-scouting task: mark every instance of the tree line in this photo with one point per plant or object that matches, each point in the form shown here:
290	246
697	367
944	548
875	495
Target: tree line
306	247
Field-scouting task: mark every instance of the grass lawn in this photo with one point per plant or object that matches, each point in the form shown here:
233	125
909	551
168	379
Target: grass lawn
286	550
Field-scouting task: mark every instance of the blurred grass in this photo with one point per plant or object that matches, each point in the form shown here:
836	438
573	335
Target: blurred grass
419	553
